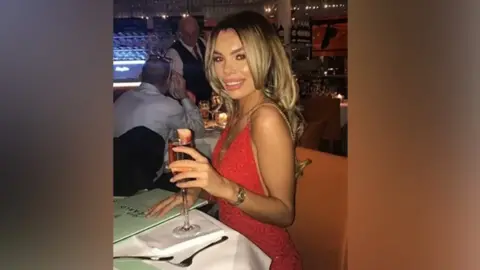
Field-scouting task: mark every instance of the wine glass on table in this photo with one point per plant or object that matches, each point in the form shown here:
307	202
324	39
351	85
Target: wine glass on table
182	138
204	107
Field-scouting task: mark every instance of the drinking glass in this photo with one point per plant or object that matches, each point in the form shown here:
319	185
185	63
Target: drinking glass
204	107
221	119
187	229
216	100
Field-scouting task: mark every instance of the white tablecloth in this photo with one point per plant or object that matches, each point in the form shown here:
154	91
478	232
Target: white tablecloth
206	144
237	253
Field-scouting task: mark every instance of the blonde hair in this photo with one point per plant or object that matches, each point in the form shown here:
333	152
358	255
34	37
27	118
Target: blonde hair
269	65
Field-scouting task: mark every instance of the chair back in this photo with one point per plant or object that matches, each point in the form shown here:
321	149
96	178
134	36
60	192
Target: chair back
319	230
138	155
312	135
322	109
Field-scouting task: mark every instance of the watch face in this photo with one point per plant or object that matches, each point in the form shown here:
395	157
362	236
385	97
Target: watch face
241	194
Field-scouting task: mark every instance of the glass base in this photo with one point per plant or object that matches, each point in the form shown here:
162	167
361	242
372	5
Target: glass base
186	232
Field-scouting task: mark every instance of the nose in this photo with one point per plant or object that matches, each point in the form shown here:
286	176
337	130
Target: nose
228	67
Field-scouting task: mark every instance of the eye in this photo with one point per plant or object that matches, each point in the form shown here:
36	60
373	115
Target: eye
217	59
240	56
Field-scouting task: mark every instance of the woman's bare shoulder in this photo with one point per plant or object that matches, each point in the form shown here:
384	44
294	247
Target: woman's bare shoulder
268	118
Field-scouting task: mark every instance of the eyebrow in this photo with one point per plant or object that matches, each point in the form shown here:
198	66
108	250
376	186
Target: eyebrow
233	52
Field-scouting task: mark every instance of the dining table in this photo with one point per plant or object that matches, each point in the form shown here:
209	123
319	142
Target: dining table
235	253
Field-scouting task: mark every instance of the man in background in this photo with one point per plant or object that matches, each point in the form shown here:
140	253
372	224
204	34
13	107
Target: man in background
149	106
188	54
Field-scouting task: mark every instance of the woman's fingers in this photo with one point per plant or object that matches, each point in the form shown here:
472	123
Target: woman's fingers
167	208
191	152
187	175
155	208
190	184
187	165
162	207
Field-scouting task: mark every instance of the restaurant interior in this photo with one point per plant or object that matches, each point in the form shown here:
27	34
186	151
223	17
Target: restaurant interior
318	53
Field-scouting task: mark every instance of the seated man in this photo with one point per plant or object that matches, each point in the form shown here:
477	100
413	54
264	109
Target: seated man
149	106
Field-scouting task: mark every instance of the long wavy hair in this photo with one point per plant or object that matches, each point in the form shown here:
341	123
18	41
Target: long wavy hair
269	65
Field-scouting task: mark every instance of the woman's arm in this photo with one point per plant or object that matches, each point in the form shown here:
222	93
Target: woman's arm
274	154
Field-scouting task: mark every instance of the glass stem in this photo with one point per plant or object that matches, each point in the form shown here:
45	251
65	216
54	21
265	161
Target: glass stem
186	222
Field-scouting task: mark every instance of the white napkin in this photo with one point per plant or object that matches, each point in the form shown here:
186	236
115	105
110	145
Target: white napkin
132	247
219	257
163	241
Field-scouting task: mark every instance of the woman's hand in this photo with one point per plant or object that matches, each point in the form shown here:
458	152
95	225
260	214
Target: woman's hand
163	207
199	169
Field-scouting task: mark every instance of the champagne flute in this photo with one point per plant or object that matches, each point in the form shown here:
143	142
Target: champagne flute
184	139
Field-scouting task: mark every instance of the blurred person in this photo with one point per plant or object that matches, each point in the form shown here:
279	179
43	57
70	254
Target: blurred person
148	105
253	170
188	54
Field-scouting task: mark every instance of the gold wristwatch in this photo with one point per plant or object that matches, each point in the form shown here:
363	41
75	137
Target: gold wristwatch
241	195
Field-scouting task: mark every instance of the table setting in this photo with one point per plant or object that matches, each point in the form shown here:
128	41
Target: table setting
142	243
182	238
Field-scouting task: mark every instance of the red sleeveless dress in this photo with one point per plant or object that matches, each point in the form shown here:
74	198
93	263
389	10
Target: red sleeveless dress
238	165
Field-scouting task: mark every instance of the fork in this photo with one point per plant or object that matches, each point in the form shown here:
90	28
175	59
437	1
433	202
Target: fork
149	258
188	261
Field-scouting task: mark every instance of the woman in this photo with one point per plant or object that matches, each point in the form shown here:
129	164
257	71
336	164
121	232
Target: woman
254	167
